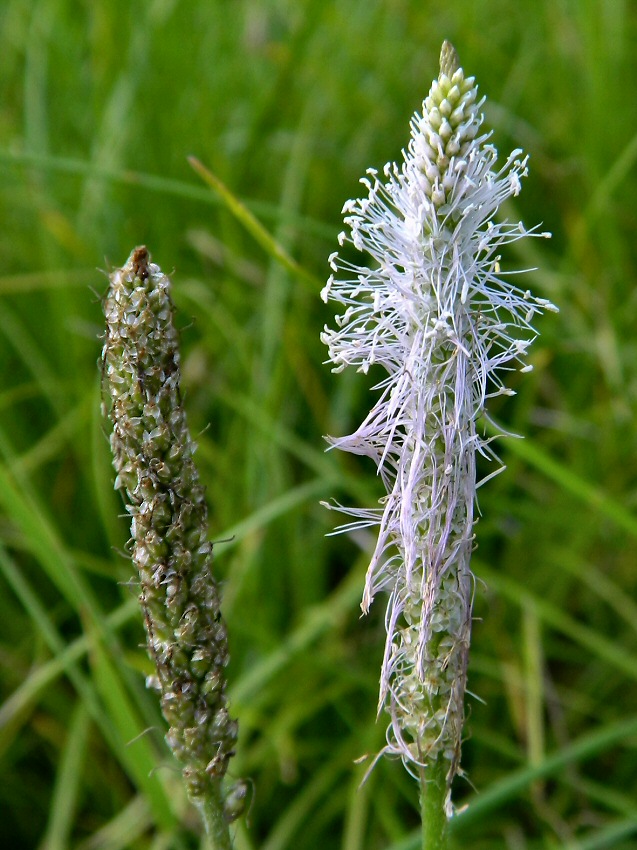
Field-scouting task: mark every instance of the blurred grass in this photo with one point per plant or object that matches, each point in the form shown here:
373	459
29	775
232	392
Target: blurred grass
287	103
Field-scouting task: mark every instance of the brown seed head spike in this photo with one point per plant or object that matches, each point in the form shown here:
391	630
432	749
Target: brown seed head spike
449	61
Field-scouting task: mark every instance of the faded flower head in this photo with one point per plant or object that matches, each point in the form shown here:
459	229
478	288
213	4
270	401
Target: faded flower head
435	310
153	459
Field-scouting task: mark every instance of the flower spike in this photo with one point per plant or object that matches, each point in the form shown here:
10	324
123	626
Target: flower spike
153	458
435	310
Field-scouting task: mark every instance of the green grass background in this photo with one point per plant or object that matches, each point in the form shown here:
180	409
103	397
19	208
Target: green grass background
288	102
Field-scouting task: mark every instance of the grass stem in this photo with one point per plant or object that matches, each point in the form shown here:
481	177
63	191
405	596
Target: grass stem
433	795
212	813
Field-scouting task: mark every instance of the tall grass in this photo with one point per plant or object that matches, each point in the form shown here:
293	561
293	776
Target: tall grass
288	103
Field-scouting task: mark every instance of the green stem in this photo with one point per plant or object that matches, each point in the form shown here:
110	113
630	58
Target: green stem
433	795
212	814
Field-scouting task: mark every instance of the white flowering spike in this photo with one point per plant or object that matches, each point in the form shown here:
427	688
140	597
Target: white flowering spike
436	311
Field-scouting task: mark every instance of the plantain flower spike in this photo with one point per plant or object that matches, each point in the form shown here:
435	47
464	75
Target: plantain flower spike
153	459
438	315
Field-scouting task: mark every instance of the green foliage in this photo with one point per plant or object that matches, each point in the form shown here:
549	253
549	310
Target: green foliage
288	102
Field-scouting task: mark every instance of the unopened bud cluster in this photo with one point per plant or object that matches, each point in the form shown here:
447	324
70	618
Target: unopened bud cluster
443	134
153	459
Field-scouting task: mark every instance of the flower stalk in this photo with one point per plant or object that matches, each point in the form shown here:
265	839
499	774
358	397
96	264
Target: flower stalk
436	312
153	459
